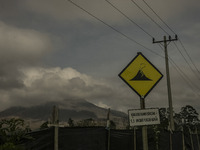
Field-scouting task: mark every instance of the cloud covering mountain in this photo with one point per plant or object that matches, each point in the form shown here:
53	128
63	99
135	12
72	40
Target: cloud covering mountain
52	50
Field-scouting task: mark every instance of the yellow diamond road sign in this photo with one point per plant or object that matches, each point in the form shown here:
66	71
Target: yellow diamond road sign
141	75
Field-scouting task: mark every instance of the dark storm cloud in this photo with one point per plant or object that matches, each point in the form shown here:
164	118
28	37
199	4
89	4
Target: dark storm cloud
19	47
31	73
55	84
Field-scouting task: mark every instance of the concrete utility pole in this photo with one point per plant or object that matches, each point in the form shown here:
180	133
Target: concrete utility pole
166	42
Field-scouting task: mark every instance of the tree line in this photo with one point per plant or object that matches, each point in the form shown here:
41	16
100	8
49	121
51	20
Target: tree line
186	119
13	131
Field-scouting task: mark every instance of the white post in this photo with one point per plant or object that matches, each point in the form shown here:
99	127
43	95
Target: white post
108	127
55	122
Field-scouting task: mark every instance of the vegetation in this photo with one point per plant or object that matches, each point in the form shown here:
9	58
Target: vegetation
44	125
112	125
71	122
186	120
86	123
89	123
13	132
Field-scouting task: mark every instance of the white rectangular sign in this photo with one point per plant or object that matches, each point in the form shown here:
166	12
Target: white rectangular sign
140	117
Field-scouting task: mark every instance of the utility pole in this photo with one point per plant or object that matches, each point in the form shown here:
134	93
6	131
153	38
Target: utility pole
166	42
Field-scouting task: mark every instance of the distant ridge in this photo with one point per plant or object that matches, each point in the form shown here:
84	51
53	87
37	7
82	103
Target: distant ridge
78	109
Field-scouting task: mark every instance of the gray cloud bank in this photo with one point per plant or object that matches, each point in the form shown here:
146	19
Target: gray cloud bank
40	85
19	47
51	51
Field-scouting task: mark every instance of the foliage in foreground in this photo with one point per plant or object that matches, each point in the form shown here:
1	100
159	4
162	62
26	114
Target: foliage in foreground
12	133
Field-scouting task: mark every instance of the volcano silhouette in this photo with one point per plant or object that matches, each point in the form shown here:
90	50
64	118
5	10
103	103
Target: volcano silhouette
140	77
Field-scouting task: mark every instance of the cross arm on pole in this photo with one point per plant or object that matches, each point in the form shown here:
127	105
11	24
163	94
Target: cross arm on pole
166	40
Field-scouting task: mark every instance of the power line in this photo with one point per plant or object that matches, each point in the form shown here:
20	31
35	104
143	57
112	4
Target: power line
128	18
175	43
158	16
151	35
149	17
186	61
189	56
116	30
166	42
184	76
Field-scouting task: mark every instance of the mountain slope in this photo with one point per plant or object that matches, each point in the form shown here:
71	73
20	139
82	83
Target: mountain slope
76	109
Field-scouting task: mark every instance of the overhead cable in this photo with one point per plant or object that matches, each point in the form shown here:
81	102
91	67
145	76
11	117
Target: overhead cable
186	61
182	74
175	44
189	56
185	77
158	16
128	18
116	30
149	17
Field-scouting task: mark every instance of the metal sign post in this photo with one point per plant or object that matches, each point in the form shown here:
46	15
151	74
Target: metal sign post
144	128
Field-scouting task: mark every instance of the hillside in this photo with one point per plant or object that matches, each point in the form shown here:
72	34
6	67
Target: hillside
78	109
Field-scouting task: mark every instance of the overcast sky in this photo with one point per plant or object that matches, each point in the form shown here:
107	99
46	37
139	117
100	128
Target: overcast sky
52	50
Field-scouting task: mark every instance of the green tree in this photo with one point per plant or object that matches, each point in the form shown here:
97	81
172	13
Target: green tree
178	121
11	146
189	117
164	121
71	122
12	132
44	125
112	124
87	123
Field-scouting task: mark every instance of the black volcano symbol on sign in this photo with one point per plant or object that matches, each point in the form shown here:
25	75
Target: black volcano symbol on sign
140	76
